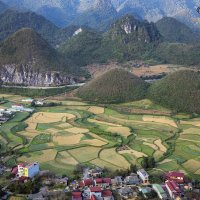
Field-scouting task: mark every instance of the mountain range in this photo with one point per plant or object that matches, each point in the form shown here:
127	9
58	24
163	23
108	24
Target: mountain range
35	51
88	12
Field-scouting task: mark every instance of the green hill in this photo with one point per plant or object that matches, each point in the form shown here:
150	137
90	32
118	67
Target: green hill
114	86
179	91
83	47
174	31
26	47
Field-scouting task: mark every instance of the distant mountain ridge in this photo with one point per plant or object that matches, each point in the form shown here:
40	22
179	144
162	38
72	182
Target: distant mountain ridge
63	13
12	21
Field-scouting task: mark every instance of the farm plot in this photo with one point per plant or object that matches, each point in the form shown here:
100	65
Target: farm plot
65	158
192	165
135	153
85	154
94	142
193	122
49	117
96	110
67	139
161	119
39	156
101	163
123	131
111	156
103	123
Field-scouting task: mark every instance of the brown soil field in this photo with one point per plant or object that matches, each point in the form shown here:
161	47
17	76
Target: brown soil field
162	120
94	142
194	122
102	122
77	130
66	158
41	157
85	154
64	125
135	153
153	146
98	137
67	140
101	163
96	110
111	156
48	117
192	165
124	131
160	145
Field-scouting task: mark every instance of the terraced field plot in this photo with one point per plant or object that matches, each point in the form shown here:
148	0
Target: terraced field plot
63	136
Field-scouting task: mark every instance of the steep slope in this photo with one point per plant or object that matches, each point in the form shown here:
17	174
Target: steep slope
174	31
99	15
26	58
179	91
128	38
83	47
177	53
3	7
132	38
12	21
114	86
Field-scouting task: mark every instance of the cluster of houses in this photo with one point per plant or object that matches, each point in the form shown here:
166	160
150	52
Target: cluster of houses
130	186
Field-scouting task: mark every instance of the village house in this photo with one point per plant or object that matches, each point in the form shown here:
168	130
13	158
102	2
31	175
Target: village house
96	191
107	195
28	100
77	195
86	182
126	192
117	181
160	192
97	172
144	176
145	191
102	182
173	189
29	170
132	179
178	177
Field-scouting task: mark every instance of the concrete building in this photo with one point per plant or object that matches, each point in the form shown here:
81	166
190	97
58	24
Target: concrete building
144	176
29	170
160	192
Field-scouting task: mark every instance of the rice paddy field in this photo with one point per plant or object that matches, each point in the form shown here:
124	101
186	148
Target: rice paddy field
75	132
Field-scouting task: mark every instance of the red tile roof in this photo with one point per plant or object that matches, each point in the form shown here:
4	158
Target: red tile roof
176	176
106	193
76	194
88	182
14	170
107	180
95	189
99	180
172	185
81	184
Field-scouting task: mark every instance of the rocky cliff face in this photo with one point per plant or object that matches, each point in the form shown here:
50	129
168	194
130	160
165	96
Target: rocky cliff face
12	74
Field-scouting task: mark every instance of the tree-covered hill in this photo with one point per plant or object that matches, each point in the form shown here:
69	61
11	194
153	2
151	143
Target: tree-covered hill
28	47
174	31
179	91
114	86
